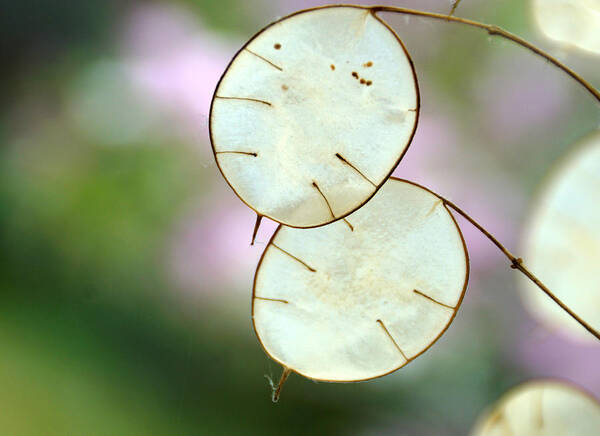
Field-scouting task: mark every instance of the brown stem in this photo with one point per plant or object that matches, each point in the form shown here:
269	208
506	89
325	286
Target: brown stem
256	226
284	375
454	6
493	30
517	263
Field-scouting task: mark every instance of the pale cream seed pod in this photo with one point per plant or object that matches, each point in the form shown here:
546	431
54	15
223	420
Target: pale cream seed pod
541	408
360	298
314	113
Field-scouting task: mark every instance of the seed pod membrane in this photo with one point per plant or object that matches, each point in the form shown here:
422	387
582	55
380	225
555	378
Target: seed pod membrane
562	243
541	408
573	23
313	114
360	298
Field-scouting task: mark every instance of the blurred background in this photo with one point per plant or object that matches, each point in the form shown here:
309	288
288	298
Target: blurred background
126	270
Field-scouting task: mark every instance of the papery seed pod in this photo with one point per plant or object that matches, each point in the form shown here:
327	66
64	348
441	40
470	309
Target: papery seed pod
573	23
314	113
541	408
362	297
562	242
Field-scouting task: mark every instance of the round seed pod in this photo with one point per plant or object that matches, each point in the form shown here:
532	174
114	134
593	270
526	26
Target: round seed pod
363	296
562	243
313	114
541	408
574	23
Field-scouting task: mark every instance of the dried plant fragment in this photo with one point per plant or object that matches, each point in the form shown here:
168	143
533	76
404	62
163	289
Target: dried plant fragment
541	408
562	242
290	97
373	298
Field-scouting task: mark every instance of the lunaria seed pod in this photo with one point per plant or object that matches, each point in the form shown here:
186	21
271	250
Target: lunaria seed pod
572	23
313	114
362	297
541	408
562	242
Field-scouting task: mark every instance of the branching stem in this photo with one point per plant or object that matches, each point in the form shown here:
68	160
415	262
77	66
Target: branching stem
454	6
493	30
517	263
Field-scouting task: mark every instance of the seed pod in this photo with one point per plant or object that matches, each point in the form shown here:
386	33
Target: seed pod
362	297
562	242
313	114
544	408
573	23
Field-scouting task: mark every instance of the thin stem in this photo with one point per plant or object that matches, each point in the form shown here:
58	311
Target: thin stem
284	375
517	263
256	226
494	30
454	6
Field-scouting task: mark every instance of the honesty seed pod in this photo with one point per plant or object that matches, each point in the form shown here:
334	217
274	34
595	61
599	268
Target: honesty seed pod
357	300
573	23
562	242
542	408
313	114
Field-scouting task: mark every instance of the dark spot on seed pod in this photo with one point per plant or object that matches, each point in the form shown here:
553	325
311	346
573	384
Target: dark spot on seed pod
368	64
277	46
355	74
332	67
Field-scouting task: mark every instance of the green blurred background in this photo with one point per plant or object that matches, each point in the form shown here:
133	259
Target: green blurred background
126	270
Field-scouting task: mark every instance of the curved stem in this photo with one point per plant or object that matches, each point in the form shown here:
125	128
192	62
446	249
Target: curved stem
517	263
493	30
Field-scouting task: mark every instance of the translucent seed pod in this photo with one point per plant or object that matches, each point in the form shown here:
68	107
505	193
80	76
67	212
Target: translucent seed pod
362	297
541	408
562	242
313	114
573	23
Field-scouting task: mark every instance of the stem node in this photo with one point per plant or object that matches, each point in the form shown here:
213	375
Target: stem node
517	263
494	30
